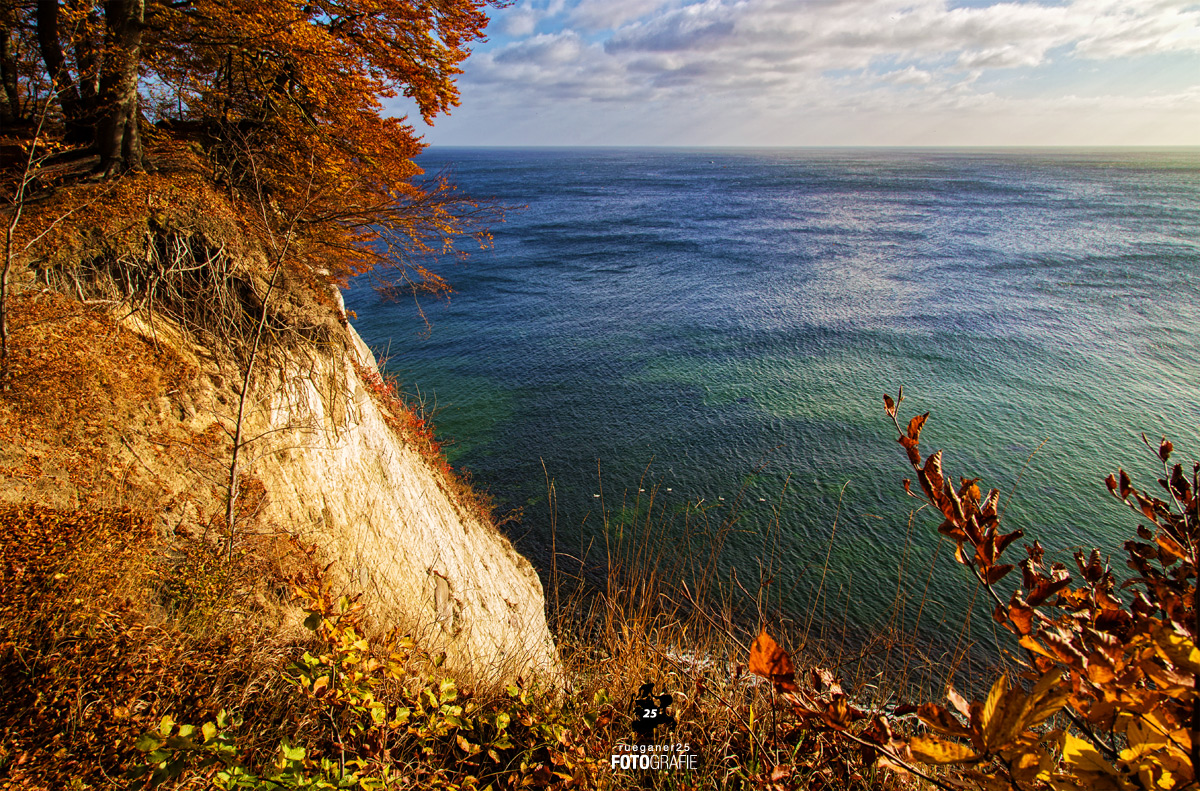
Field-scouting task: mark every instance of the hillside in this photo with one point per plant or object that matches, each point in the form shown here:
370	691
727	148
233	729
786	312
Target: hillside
123	409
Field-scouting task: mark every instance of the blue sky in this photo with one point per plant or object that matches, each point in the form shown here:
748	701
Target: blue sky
831	72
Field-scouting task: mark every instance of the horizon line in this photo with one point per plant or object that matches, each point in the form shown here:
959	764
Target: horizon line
947	147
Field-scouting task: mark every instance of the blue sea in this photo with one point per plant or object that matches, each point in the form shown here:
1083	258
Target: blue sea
727	321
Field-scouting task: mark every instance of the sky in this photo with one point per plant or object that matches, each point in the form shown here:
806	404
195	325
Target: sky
830	73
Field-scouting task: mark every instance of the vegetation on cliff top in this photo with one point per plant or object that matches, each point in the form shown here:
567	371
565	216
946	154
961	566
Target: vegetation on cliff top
277	104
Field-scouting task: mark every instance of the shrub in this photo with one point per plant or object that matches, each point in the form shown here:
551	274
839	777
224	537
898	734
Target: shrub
379	713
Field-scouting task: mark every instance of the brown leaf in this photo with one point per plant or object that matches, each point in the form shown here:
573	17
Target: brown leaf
1020	615
997	573
879	731
1111	483
1045	590
914	426
988	506
823	680
1006	539
1126	486
769	660
1147	507
941	720
933	472
959	702
1180	486
1164	449
889	405
1170	545
1167	677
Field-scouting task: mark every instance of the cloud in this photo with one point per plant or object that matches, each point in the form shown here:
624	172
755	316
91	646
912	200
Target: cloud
611	14
519	22
908	76
705	26
725	60
544	50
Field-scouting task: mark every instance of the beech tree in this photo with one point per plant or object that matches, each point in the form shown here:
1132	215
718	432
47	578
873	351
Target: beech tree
291	82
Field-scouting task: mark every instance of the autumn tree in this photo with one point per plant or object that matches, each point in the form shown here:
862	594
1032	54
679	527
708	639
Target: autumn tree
289	82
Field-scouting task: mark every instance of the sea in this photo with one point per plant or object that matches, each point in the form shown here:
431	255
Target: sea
717	329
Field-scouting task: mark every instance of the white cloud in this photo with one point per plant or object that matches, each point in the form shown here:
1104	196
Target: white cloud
519	22
908	76
782	60
610	14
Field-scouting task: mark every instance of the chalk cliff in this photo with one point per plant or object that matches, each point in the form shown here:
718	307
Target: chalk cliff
341	478
146	421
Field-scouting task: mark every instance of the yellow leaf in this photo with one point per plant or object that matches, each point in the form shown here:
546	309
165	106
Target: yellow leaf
929	750
993	700
1181	651
1048	696
1082	756
1001	718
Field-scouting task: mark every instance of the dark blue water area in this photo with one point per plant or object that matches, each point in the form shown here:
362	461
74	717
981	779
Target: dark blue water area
726	321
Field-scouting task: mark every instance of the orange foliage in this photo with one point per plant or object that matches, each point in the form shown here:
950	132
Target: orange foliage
1118	659
285	102
287	98
1105	697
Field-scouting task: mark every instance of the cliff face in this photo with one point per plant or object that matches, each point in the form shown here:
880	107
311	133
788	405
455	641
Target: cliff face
111	409
337	476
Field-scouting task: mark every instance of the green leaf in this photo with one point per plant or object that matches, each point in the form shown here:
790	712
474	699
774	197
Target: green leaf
209	730
293	753
165	726
313	621
147	742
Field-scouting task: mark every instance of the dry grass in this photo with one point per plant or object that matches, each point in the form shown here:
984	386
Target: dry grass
637	607
95	648
78	381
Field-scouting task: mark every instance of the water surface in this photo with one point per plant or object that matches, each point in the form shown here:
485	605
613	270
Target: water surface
705	314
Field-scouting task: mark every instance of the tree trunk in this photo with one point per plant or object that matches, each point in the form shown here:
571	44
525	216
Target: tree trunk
88	57
56	66
5	375
10	109
117	134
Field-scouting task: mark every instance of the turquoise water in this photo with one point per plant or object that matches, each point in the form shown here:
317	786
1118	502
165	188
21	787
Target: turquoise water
701	314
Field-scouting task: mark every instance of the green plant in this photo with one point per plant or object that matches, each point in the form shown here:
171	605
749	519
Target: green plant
383	704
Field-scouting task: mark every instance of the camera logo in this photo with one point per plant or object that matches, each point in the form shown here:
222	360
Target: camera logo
650	712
